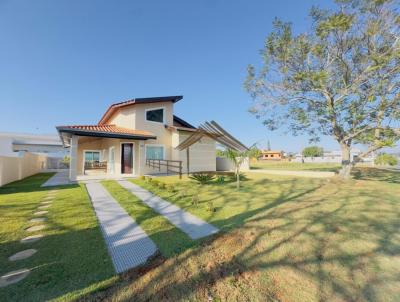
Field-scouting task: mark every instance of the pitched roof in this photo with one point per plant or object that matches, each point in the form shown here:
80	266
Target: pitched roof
178	122
116	106
106	131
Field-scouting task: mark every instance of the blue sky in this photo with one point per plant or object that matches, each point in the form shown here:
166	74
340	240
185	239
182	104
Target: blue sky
65	62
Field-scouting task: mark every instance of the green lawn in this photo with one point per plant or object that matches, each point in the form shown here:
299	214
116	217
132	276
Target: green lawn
283	165
282	239
72	259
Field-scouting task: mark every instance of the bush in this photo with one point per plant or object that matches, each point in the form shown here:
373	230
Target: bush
242	177
220	179
155	182
171	188
195	199
149	179
385	159
210	206
162	185
142	177
202	178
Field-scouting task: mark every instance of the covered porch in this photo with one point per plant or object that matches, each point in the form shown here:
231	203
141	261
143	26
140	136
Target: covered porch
100	152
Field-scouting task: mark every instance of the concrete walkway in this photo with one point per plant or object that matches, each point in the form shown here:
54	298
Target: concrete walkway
59	179
302	173
194	227
127	243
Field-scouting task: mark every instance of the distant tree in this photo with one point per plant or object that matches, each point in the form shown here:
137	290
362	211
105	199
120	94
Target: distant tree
385	159
269	146
341	78
313	151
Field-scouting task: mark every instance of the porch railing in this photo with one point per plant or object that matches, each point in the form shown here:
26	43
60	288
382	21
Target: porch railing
95	165
174	166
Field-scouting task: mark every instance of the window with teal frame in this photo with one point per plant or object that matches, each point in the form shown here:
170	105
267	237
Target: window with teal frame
154	152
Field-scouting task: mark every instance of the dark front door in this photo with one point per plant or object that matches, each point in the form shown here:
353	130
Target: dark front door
127	158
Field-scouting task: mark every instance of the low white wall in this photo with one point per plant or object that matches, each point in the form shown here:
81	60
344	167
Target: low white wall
224	164
16	168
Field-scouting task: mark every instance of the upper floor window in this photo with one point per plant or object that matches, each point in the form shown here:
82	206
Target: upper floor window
155	115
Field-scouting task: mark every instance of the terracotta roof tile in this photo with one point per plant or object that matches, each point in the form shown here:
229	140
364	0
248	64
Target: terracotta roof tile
109	129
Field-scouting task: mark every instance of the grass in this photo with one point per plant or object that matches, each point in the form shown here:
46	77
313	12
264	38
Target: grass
282	239
72	259
283	165
169	239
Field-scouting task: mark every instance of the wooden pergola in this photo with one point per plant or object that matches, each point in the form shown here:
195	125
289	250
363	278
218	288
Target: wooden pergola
214	131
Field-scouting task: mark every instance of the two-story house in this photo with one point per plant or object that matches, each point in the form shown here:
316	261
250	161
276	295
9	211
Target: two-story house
131	132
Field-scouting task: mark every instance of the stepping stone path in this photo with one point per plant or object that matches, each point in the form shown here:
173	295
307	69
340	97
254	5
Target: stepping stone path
31	239
35	228
18	275
13	277
40	219
22	255
38	213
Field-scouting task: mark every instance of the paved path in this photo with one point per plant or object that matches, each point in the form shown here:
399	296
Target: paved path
59	179
188	223
127	243
302	173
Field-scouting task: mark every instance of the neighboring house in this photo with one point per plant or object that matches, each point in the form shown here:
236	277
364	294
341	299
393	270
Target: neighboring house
332	157
132	138
12	144
271	155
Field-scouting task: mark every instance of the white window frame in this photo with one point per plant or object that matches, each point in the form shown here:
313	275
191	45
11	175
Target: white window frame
154	145
151	109
133	158
84	151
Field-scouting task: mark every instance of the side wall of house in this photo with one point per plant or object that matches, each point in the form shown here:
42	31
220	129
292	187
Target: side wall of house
202	155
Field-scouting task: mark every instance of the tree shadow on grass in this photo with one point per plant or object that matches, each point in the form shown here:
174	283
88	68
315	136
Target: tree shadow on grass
321	245
376	174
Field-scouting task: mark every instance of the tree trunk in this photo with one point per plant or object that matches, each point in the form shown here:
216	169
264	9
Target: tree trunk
347	165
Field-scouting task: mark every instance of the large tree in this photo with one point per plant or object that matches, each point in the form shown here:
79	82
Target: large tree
341	78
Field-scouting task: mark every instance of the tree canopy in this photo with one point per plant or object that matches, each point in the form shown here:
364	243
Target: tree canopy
340	78
313	151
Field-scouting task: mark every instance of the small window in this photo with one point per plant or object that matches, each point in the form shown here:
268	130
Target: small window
91	156
154	152
156	115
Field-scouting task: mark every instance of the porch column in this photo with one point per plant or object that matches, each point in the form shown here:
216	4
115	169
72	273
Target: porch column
73	158
141	159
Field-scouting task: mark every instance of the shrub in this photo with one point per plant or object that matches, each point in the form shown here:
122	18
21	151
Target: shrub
162	185
202	178
210	206
220	179
149	179
171	188
142	177
242	177
195	199
155	182
385	159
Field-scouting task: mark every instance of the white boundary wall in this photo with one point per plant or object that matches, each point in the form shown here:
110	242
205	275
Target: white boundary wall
224	164
17	168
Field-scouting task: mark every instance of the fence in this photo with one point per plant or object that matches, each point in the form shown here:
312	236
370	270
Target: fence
16	168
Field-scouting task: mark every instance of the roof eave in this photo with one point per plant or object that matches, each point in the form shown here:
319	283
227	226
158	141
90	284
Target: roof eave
79	132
